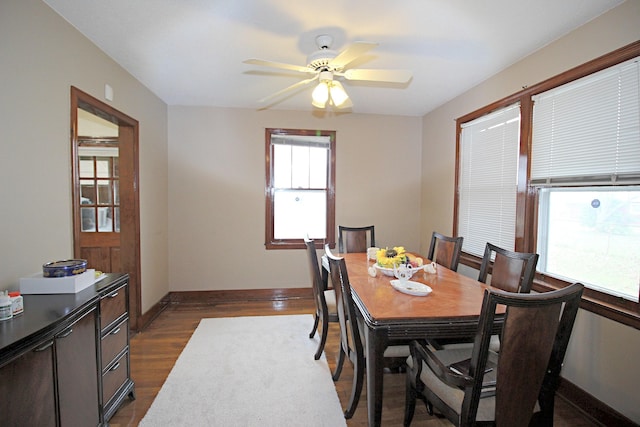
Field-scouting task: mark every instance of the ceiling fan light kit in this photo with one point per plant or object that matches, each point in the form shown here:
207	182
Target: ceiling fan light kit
338	95
327	64
328	89
320	95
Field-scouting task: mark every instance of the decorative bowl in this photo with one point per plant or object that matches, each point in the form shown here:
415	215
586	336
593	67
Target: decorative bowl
69	267
389	271
384	270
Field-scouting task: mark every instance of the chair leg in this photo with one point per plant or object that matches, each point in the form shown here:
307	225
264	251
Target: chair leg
323	337
410	402
338	371
356	389
546	400
315	326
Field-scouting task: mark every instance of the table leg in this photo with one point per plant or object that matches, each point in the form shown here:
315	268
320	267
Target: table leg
376	343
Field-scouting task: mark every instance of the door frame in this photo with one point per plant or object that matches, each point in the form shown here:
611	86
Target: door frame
129	199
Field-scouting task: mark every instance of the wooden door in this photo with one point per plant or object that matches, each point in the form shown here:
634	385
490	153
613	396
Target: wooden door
106	215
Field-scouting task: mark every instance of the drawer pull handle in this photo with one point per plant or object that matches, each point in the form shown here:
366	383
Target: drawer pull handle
66	333
113	295
43	347
114	367
115	331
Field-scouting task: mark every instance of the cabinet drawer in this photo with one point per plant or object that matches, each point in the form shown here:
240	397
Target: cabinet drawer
114	342
112	306
115	378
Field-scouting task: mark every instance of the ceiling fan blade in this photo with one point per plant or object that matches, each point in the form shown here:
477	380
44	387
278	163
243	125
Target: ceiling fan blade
350	53
288	89
280	65
389	76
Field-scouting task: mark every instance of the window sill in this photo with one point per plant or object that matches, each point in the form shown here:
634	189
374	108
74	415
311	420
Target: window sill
297	244
626	312
611	311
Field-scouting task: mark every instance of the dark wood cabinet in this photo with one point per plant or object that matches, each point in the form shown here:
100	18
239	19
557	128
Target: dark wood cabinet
26	380
114	347
76	368
65	360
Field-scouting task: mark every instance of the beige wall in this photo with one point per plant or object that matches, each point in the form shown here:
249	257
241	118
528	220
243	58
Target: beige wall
208	202
42	57
602	358
216	192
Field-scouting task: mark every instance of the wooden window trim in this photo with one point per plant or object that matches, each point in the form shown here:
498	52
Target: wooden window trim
615	308
270	242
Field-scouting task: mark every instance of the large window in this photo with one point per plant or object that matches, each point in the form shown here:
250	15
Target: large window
585	156
300	190
577	182
487	183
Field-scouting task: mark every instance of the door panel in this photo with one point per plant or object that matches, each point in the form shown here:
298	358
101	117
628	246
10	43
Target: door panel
77	370
102	253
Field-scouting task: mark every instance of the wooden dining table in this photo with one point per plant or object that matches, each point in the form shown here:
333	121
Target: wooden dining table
450	310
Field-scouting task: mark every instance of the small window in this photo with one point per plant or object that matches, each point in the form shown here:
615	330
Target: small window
99	198
592	235
300	190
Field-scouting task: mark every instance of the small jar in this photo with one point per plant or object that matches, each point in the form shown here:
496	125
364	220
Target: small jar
6	311
17	306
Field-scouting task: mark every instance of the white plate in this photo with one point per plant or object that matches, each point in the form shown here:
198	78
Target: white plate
411	288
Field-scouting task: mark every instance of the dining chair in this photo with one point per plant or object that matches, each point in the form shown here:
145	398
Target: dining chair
351	332
325	299
505	388
356	239
511	271
445	250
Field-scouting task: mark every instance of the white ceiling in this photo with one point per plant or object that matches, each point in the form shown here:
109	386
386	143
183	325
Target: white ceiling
190	52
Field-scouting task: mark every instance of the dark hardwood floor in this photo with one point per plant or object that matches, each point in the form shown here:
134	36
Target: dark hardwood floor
155	350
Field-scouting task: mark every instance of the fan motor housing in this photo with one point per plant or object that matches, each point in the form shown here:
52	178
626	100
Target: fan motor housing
320	59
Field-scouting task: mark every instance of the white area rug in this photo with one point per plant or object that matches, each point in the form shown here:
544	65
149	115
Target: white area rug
249	371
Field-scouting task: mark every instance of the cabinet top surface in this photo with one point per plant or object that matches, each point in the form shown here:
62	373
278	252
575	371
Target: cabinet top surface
44	313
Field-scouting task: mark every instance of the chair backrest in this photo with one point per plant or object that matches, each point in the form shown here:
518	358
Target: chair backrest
511	271
445	250
356	239
315	276
350	337
529	357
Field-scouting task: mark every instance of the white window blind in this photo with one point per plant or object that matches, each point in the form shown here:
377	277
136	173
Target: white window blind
588	131
488	180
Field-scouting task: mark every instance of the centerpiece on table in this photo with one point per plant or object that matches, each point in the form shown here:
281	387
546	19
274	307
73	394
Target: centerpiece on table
388	258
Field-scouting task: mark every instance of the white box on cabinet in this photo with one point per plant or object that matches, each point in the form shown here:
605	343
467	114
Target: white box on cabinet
37	284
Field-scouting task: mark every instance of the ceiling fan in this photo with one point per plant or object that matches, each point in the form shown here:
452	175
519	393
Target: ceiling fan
325	65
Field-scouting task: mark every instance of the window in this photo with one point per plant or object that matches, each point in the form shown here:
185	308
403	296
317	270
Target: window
592	235
585	155
99	186
577	182
488	177
300	189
